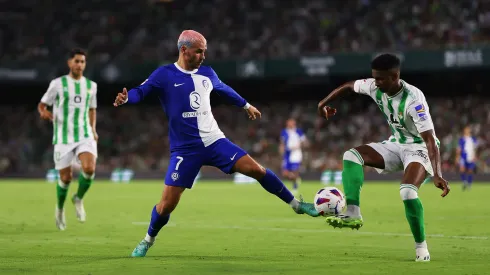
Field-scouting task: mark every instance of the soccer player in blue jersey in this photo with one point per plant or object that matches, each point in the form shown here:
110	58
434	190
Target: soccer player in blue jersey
184	89
466	156
292	141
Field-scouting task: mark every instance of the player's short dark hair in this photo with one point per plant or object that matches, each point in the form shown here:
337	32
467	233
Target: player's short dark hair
76	51
385	62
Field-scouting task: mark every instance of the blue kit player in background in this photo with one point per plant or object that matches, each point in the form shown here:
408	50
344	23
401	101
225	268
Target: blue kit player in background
466	156
292	141
184	89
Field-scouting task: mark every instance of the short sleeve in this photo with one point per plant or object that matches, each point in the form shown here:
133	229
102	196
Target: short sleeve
93	98
420	115
50	95
364	86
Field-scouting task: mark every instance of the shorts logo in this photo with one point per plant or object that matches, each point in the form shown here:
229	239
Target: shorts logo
175	176
195	100
420	153
57	156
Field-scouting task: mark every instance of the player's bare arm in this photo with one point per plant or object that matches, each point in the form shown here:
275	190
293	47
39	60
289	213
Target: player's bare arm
435	160
42	108
93	118
326	111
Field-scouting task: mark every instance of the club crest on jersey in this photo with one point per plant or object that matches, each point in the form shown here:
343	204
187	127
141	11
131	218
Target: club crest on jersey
205	84
195	100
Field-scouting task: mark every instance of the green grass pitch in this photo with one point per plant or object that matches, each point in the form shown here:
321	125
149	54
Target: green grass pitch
223	228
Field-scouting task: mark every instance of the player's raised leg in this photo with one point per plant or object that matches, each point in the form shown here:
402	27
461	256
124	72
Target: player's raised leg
85	180
352	179
61	193
269	181
414	176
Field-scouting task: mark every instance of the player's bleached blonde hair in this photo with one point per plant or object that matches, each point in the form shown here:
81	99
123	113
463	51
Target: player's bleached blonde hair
188	38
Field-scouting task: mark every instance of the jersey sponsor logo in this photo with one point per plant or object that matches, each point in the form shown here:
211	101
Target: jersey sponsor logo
420	109
195	100
395	122
194	114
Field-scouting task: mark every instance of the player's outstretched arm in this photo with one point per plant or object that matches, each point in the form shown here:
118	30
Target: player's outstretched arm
435	159
326	111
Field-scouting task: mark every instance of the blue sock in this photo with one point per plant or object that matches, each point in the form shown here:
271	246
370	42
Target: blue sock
469	178
273	185
295	184
463	177
157	222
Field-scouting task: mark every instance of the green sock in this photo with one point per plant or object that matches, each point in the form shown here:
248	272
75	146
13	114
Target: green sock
61	192
84	182
414	211
352	176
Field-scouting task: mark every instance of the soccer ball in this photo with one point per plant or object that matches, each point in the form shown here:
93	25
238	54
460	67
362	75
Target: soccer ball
329	201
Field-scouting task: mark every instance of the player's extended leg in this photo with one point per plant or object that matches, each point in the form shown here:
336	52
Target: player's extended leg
160	216
470	170
61	193
85	180
414	176
462	171
352	180
269	181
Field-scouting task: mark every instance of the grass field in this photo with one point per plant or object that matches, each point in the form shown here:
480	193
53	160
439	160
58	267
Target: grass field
222	228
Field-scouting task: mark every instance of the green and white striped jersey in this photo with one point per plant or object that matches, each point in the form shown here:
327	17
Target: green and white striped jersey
407	112
71	100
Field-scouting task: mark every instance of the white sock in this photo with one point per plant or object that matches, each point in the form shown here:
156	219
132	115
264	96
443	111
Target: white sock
294	203
421	245
149	238
353	210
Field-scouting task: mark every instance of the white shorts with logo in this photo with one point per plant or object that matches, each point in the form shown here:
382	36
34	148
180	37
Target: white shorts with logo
65	154
398	156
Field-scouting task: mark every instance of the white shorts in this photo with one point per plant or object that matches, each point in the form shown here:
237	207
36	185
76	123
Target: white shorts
65	154
398	156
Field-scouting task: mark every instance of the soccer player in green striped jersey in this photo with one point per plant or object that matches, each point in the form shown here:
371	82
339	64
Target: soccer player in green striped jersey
74	102
413	146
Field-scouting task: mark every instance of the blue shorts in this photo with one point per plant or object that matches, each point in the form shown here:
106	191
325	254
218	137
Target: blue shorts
467	164
290	166
184	165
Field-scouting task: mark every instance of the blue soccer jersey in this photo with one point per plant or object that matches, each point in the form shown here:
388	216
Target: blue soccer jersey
195	138
293	155
467	146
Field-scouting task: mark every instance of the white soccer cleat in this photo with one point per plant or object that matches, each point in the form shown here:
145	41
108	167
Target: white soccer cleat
59	215
422	255
79	209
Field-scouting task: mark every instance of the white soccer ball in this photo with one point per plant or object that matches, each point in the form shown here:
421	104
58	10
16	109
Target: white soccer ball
329	201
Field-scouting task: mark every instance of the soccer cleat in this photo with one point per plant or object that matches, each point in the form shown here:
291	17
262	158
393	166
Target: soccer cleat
141	249
342	221
59	216
306	208
80	210
422	255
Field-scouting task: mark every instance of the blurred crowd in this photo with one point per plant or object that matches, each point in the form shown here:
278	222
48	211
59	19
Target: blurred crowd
147	30
136	137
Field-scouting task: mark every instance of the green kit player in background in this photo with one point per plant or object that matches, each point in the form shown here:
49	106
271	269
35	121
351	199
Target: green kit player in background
412	147
74	102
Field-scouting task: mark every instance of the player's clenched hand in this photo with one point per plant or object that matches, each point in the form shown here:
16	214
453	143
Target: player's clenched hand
47	115
121	98
253	113
327	112
442	184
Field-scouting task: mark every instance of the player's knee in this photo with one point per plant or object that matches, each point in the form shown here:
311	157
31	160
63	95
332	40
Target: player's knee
408	192
66	177
353	156
256	171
